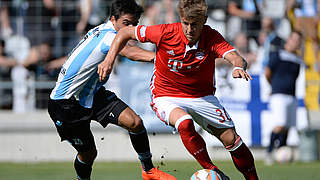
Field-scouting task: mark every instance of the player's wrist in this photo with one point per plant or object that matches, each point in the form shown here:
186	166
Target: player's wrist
240	68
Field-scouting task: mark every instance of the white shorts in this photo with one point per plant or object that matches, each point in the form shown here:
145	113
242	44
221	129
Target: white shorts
283	108
205	111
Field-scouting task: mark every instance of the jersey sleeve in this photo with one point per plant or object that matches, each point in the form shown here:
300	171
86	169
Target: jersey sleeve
220	46
151	34
273	60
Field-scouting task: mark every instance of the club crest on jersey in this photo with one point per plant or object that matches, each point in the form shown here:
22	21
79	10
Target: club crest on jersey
199	55
163	115
171	52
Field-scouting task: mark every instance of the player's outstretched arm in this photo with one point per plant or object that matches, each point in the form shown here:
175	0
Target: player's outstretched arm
119	42
240	65
136	53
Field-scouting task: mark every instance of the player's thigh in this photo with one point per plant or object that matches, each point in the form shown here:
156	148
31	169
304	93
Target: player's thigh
168	109
107	107
80	137
292	111
176	114
210	114
72	123
279	110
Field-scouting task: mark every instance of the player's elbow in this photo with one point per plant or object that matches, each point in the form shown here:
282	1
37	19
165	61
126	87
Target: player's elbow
127	33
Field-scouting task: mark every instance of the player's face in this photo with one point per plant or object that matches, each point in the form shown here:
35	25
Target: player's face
123	21
293	42
192	28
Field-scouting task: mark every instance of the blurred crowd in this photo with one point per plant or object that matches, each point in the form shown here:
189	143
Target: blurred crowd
38	34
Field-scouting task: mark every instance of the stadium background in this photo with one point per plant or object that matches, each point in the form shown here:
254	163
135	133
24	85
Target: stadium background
39	38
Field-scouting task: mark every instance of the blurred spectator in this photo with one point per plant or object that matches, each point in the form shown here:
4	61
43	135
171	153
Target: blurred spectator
6	29
6	63
167	12
45	68
257	68
73	19
42	62
150	14
249	12
306	20
14	12
241	44
282	72
272	41
224	67
38	21
97	12
160	12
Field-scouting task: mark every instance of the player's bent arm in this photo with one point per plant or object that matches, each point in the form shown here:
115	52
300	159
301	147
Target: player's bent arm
119	42
240	65
236	60
268	73
136	53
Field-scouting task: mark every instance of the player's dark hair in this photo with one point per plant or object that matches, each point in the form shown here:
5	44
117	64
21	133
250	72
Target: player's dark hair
119	7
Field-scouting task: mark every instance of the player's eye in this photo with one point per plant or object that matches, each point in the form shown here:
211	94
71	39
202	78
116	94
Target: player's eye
126	23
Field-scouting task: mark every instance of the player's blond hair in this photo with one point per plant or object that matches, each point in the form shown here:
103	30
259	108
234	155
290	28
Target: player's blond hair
192	9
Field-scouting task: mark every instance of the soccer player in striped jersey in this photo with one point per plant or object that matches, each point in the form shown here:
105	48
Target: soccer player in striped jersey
80	97
183	83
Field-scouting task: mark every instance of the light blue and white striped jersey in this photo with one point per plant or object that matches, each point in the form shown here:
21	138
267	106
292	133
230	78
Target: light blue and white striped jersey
78	76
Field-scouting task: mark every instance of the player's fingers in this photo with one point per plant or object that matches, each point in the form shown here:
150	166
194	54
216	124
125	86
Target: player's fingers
236	74
99	69
241	74
249	76
104	75
244	75
99	72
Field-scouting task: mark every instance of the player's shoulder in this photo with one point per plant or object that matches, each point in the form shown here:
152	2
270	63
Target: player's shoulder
168	30
210	31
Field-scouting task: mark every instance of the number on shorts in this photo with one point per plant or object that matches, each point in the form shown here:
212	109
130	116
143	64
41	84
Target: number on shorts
224	115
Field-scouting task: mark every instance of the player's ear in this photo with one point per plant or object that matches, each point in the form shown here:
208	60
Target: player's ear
113	19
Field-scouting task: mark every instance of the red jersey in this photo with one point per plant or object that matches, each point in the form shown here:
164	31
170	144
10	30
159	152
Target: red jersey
180	70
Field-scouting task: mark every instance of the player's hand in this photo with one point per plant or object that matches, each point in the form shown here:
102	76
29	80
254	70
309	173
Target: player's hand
104	69
241	73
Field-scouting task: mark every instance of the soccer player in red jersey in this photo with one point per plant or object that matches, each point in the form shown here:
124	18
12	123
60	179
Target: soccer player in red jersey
183	84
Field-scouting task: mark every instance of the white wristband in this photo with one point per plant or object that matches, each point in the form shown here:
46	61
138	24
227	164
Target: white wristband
235	68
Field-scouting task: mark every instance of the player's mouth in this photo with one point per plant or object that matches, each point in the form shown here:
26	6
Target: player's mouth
190	36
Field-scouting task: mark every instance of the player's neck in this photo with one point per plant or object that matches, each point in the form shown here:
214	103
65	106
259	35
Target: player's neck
191	44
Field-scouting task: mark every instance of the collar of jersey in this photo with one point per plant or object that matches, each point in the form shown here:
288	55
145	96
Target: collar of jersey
109	24
194	47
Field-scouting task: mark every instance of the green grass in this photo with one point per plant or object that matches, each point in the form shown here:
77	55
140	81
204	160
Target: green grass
131	171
